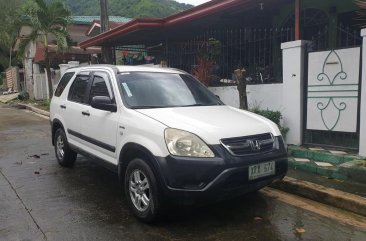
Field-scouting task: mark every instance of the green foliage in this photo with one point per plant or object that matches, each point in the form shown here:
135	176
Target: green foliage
128	8
46	19
9	15
274	116
1	80
45	104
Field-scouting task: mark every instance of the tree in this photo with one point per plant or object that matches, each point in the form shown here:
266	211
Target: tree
8	29
240	75
46	20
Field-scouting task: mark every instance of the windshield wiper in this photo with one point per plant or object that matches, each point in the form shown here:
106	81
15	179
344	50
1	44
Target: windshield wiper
148	107
200	104
193	105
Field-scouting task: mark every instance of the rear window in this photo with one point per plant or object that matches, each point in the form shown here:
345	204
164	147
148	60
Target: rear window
63	82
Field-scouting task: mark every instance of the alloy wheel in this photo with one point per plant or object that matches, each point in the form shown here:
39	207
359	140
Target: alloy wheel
140	192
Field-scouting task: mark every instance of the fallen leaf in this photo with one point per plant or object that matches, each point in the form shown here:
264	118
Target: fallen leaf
35	156
258	219
36	173
300	230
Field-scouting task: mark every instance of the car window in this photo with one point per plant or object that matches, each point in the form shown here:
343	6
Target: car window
63	82
164	90
100	86
78	88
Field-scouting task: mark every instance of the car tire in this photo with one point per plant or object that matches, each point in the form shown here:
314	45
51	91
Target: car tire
65	156
141	191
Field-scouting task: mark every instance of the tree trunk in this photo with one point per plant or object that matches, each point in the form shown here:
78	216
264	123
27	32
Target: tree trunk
242	88
10	52
104	26
48	72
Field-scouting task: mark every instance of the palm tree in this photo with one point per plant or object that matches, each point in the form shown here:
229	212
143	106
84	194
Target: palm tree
8	29
46	20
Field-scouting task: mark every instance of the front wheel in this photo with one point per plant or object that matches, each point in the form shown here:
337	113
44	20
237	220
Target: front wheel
141	191
65	156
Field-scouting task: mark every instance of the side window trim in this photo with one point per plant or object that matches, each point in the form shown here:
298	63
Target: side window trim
107	81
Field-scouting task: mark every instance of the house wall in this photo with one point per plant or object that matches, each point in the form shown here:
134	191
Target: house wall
266	96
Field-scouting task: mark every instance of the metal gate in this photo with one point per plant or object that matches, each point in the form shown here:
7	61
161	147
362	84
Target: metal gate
332	98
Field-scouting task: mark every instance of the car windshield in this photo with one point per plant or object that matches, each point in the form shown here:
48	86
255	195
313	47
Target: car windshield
143	90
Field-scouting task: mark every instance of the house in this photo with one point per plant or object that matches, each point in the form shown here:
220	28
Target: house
299	56
34	80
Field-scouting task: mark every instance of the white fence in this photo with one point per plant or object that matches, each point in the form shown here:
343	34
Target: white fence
40	86
263	96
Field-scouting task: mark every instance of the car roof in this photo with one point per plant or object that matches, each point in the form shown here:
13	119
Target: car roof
128	68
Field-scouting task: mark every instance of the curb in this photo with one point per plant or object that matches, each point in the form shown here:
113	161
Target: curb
329	196
35	109
321	156
346	171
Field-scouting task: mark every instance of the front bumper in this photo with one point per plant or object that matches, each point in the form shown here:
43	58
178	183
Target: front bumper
222	176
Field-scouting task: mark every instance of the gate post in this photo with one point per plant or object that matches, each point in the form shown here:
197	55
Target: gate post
362	148
293	54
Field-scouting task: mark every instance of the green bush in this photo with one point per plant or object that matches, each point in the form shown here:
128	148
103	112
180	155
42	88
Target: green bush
274	116
1	80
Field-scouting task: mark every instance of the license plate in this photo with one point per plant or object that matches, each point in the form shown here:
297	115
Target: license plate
261	170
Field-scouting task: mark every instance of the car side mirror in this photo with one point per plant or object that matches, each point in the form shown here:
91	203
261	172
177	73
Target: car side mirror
103	103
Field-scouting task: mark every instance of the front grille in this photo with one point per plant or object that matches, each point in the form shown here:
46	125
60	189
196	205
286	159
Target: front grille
248	145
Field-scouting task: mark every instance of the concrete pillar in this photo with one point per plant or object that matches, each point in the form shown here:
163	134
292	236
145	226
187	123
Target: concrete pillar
293	85
362	149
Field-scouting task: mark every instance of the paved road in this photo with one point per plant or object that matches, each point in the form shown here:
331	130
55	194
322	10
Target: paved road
41	201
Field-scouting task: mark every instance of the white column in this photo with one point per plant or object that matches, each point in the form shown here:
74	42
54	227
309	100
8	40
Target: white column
362	150
293	85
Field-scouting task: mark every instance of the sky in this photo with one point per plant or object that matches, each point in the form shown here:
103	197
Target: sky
193	2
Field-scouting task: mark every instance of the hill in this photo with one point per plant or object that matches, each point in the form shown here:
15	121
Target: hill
128	8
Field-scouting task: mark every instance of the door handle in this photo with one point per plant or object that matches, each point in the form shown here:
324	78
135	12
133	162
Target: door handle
63	106
85	113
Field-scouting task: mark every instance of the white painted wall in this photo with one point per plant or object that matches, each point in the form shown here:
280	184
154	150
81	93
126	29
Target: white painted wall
228	94
362	149
268	96
264	96
293	84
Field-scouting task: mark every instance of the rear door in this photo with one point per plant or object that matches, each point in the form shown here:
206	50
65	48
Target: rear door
74	107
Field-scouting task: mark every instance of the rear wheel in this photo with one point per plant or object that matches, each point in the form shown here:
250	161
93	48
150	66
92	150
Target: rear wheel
141	191
65	156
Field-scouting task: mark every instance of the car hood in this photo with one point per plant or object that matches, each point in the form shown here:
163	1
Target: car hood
212	123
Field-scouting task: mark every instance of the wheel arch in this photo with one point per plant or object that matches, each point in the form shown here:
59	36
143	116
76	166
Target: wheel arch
131	151
56	124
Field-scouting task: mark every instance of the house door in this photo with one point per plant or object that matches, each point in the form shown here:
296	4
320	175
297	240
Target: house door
332	98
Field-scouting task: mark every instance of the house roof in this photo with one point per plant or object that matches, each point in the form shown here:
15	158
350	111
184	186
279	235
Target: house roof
89	19
211	13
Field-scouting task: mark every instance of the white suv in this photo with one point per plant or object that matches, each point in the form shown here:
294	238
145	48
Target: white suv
167	136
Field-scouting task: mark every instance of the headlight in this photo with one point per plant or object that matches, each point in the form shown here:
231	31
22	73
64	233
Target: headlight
183	143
